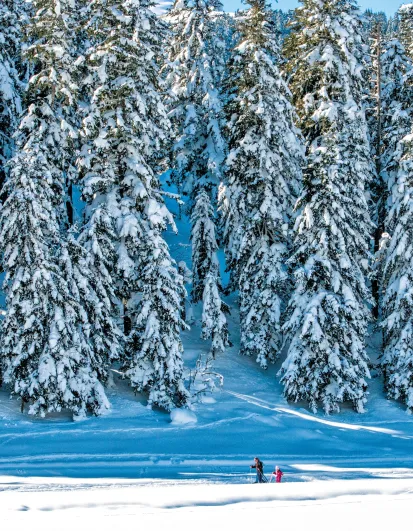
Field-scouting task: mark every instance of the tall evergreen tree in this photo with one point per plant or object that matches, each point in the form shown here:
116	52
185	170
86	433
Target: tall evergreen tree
396	285
87	275
194	71
397	109
206	282
392	71
214	321
327	316
397	302
45	350
262	181
374	113
204	244
12	17
153	360
48	343
405	27
125	133
390	121
49	125
393	27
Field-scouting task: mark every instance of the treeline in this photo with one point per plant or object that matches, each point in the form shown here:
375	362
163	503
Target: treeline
290	136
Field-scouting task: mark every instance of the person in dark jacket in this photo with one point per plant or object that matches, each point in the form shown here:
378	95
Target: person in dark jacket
258	465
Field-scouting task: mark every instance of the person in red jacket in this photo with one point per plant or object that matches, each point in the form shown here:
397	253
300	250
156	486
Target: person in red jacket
277	474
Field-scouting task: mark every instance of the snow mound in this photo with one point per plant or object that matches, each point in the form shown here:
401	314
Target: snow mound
183	416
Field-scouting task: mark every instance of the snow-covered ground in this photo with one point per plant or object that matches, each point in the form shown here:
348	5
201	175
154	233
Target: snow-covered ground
158	505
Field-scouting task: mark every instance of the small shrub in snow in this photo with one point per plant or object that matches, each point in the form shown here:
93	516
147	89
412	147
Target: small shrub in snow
203	380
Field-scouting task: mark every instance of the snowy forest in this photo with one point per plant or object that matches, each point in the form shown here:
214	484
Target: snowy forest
285	141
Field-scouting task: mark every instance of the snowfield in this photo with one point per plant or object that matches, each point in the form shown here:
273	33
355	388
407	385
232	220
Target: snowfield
68	504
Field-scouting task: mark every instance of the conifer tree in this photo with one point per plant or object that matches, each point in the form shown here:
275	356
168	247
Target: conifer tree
206	282
153	360
194	71
397	108
49	125
393	27
49	349
389	123
204	243
392	121
214	321
327	362
261	183
12	17
45	350
397	302
405	27
87	275
374	116
125	134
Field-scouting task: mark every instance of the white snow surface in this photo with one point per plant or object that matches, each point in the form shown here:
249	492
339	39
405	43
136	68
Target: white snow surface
182	416
341	505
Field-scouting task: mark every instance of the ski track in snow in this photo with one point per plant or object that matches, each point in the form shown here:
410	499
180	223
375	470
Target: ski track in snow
264	404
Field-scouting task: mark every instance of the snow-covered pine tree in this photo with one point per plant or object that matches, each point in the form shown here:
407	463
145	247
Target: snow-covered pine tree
153	362
327	361
49	125
206	282
397	283
397	109
86	270
372	19
405	27
204	243
214	321
261	183
125	130
390	122
45	350
193	72
281	24
392	29
375	33
12	16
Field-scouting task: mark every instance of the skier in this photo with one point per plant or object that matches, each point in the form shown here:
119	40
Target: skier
259	466
277	474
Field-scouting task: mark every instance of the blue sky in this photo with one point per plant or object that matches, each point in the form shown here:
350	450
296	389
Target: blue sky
388	6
